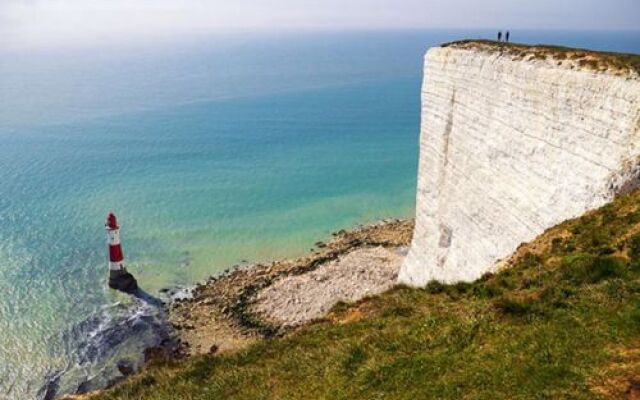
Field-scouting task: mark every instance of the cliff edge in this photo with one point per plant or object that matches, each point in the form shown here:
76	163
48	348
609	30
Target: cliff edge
515	139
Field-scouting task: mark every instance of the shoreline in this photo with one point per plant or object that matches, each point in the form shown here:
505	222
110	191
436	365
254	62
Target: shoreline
219	315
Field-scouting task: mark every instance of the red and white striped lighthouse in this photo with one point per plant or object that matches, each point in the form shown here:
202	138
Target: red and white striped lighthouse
119	278
116	257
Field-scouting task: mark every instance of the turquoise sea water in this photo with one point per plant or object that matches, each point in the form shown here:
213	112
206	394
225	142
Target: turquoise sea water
212	152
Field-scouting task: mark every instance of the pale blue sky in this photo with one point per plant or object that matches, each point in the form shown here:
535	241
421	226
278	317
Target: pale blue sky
44	23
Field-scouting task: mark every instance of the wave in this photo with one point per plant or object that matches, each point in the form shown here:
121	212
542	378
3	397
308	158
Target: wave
107	346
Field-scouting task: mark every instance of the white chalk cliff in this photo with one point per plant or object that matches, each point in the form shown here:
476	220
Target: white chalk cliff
511	145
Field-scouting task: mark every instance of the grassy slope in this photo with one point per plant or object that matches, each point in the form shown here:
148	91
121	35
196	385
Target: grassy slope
563	322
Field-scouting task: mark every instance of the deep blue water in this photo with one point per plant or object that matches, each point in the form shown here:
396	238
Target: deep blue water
210	152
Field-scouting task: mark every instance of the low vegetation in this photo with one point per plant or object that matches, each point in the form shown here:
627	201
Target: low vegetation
563	321
616	63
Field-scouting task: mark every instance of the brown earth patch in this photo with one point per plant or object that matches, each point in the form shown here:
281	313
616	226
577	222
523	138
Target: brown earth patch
620	379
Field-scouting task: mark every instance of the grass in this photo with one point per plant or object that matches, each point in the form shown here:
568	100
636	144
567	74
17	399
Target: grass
618	63
562	322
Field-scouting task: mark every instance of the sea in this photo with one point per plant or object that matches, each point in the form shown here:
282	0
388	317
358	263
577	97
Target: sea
213	151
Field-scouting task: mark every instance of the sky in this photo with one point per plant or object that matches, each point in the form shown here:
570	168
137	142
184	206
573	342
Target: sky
49	23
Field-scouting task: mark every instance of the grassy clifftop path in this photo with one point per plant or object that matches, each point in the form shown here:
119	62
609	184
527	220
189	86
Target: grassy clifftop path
561	321
623	64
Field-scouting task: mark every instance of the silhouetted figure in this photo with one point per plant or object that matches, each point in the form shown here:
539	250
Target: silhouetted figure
506	37
499	36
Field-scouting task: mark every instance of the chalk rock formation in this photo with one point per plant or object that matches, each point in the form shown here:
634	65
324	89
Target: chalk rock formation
511	144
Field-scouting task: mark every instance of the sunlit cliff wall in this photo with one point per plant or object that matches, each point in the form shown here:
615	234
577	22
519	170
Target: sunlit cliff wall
513	142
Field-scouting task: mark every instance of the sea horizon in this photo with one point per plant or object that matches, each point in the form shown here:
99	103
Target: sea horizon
211	155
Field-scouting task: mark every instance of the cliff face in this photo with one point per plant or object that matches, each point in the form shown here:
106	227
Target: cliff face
511	145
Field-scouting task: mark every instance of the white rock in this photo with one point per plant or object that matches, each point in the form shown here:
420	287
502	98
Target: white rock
509	148
342	281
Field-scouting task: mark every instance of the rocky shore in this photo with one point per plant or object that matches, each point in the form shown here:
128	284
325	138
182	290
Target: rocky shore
247	304
253	302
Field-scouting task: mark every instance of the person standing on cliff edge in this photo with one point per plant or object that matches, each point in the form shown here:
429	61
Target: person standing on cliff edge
506	37
499	36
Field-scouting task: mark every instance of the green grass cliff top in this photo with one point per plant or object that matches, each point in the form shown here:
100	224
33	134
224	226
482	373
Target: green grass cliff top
617	63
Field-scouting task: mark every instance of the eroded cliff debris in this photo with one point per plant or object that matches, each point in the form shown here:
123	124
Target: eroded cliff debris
232	310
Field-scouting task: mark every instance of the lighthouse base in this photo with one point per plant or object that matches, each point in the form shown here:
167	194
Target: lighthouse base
123	281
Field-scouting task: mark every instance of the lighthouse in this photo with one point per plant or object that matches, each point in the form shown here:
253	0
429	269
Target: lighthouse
119	278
